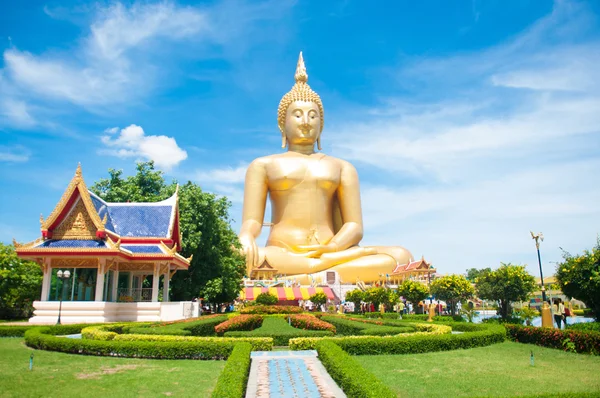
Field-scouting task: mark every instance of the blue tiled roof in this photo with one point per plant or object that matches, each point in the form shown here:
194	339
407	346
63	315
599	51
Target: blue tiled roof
144	221
102	209
154	249
68	243
136	220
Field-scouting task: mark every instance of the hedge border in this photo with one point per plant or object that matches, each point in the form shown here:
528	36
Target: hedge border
413	343
582	342
14	330
233	379
45	338
351	376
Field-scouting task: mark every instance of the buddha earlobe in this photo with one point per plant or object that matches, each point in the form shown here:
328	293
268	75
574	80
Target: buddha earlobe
319	144
283	141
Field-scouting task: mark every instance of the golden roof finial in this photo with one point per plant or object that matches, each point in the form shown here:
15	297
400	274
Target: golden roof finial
78	171
16	244
301	75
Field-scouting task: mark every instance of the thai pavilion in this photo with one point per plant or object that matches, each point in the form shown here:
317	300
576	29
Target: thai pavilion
419	270
117	255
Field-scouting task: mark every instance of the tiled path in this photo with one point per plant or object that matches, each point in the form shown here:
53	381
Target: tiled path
283	374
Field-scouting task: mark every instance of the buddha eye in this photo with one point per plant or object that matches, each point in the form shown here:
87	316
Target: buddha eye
312	114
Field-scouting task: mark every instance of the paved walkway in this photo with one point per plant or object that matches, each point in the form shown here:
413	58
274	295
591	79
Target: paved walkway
283	374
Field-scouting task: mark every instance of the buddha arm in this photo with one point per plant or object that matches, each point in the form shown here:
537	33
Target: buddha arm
348	196
255	199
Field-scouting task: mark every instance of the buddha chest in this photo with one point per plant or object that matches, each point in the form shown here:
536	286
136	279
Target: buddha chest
309	172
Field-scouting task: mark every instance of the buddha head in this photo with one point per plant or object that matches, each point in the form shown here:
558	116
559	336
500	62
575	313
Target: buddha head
300	113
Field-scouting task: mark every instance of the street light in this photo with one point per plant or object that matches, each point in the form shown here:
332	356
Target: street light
63	276
546	314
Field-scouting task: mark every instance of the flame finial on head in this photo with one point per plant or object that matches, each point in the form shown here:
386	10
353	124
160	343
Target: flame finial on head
301	75
301	91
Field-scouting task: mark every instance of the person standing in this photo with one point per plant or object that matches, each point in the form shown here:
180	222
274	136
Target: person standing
558	309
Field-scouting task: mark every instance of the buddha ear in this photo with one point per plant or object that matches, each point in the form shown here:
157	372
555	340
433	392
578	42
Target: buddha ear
319	143
283	141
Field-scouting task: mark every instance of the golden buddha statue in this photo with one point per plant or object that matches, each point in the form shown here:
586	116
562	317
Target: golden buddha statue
315	201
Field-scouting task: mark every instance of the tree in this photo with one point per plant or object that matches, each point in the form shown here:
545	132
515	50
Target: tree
20	284
413	291
452	289
579	277
474	273
355	296
205	229
376	295
506	284
267	299
318	299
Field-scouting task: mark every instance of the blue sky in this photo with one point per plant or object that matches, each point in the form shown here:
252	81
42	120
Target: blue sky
470	122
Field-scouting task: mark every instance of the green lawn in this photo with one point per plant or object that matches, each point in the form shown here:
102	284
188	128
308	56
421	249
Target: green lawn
498	370
63	375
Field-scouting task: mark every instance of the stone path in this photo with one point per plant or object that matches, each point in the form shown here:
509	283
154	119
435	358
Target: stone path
283	374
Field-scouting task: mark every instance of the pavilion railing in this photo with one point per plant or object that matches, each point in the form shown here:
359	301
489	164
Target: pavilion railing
126	295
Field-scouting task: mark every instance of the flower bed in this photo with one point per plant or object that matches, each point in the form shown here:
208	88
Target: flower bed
280	331
271	309
202	326
239	322
309	322
567	340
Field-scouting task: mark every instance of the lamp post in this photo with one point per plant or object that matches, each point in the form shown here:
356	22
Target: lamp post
63	276
546	313
431	306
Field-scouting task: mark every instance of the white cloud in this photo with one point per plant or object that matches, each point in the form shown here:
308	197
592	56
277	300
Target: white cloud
227	175
103	70
16	113
509	145
132	142
16	154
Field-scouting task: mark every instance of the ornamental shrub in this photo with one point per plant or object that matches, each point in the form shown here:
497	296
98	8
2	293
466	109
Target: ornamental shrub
233	379
584	342
202	326
271	309
352	378
14	331
309	322
318	299
266	299
240	322
365	327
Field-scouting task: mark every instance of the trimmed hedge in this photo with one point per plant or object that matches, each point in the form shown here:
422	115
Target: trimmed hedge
240	322
355	380
233	379
366	327
309	322
45	338
585	326
271	309
203	326
280	331
566	340
14	331
436	339
112	332
414	317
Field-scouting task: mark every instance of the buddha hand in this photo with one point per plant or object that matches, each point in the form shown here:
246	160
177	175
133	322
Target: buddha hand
315	251
250	249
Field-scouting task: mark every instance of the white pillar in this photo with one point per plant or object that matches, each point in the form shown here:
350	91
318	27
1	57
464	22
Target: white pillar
155	278
100	281
115	285
166	284
47	280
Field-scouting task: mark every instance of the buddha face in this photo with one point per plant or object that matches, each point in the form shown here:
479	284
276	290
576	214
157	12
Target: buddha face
302	123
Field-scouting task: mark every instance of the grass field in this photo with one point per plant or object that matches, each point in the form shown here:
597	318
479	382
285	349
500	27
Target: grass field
498	370
63	375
